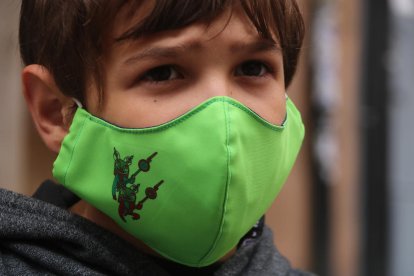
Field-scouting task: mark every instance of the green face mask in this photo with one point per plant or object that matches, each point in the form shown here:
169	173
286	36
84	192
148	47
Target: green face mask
189	188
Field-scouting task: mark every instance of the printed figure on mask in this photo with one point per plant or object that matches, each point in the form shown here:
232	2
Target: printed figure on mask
127	194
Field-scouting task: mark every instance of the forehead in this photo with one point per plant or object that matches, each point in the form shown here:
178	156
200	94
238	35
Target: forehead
231	30
137	19
206	30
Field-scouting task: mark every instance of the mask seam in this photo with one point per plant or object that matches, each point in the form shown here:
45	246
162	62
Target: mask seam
188	115
73	149
228	180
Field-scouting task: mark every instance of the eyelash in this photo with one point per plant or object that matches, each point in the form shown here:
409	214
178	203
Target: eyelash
146	77
268	69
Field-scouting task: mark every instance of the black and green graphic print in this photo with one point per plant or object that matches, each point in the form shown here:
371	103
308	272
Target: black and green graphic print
124	188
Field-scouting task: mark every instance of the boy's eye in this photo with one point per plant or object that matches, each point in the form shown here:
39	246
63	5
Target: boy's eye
161	73
252	69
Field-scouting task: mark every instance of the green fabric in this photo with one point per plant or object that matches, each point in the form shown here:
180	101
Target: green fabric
218	169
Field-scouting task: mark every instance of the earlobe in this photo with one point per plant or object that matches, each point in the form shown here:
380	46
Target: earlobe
47	105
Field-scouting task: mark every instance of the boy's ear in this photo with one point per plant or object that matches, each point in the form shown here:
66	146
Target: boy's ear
47	105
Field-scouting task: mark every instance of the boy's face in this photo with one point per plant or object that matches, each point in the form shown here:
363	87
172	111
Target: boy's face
154	79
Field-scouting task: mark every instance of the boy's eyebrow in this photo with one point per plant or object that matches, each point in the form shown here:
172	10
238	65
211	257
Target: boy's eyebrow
257	46
158	52
175	51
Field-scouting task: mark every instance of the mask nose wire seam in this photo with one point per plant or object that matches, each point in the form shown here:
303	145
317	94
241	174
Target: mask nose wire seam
228	180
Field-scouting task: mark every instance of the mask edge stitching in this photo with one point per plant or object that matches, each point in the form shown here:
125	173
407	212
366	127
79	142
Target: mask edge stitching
188	115
154	129
228	180
259	119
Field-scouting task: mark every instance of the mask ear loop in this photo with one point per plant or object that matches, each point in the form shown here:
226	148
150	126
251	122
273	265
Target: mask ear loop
286	115
77	102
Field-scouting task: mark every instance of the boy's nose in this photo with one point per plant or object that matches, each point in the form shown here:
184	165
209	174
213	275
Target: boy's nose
216	84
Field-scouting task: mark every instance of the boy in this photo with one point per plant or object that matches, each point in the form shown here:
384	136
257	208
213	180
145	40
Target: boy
171	125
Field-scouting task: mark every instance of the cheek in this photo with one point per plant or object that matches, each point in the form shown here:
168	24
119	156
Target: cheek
138	114
268	102
132	110
273	109
275	113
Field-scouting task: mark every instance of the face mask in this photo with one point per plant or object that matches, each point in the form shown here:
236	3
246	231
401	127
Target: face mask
189	188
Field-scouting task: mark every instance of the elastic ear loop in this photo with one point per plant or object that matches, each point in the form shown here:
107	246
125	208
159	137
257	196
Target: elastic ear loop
285	119
77	102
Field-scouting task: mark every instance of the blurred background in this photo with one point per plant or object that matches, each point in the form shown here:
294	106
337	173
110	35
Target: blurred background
348	206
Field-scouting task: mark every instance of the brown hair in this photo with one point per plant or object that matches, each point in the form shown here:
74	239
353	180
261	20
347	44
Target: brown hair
67	36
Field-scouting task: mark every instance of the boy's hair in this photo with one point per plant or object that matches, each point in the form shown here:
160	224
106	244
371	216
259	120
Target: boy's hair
67	37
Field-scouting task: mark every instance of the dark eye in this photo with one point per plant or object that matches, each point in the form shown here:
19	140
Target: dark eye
161	73
252	69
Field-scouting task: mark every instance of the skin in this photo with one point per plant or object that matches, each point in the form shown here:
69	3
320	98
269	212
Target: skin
154	79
